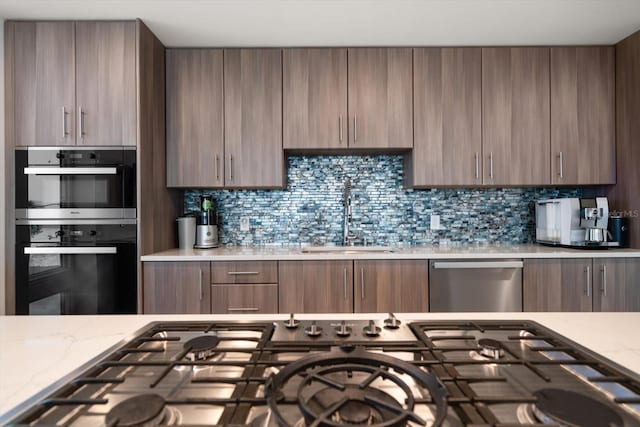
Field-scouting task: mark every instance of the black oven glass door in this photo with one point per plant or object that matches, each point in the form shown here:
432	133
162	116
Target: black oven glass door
77	278
75	184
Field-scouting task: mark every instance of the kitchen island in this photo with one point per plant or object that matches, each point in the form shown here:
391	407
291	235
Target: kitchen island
38	351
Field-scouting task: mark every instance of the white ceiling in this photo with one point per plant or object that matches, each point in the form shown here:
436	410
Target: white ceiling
355	22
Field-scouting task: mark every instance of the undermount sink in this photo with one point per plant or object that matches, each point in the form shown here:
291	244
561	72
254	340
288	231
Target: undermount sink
347	249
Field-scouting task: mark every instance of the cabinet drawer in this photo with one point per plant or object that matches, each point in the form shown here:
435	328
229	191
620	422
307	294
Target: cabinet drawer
244	272
244	299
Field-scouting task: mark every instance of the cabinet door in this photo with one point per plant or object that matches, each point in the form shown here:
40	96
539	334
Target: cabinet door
616	284
515	116
315	98
447	149
244	299
380	98
253	118
106	83
316	287
176	288
557	285
583	115
195	118
44	83
391	286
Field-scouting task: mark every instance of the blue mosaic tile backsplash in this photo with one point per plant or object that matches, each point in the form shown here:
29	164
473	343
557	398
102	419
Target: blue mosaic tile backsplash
310	211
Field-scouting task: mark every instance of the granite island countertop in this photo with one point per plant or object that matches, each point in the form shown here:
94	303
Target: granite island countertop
39	350
281	253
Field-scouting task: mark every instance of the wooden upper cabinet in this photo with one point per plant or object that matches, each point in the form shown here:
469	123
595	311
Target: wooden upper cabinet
106	83
315	98
315	286
391	286
616	286
583	115
176	288
515	116
380	98
195	118
44	83
558	285
253	118
447	149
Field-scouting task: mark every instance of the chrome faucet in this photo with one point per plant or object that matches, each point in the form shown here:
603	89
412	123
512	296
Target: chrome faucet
347	236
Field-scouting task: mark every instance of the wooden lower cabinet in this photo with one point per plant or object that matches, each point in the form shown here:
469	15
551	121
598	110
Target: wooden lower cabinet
600	284
316	287
391	286
176	287
244	299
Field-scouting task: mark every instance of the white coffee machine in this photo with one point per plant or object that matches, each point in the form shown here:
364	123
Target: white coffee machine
573	222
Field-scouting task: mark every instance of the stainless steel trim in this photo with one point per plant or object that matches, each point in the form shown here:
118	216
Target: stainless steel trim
242	273
561	164
477	156
491	165
340	125
76	222
70	250
604	280
355	127
79	148
85	213
345	283
64	123
80	122
201	292
217	168
588	274
440	265
69	171
243	309
362	282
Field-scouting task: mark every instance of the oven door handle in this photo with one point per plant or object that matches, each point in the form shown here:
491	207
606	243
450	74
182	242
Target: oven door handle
70	171
70	250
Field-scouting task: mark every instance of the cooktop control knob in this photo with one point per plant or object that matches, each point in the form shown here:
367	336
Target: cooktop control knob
343	330
292	323
392	322
314	330
371	330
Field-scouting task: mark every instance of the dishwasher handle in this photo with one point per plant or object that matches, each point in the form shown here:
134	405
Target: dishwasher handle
441	265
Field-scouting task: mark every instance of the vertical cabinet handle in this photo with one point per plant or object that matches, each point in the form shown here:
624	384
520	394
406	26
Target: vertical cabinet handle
231	167
491	165
477	165
80	122
340	127
362	282
345	283
588	286
560	169
603	269
217	168
355	127
64	123
201	290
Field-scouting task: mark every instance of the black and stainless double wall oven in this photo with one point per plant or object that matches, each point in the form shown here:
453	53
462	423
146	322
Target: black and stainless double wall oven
76	231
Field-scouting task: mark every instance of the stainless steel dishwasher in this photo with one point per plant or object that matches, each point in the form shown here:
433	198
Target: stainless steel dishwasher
478	285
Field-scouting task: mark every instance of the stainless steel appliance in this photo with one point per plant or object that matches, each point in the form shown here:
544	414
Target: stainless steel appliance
76	183
573	222
186	232
207	228
475	285
76	267
342	373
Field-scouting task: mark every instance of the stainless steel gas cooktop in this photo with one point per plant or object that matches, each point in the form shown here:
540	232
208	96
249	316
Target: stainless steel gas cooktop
333	373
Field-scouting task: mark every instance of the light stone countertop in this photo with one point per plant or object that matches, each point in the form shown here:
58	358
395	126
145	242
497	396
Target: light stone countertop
277	253
39	350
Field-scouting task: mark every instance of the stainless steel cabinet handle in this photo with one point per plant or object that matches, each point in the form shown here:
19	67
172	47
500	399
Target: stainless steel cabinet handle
64	123
46	170
561	172
340	126
243	309
71	250
604	280
80	122
588	287
344	281
217	168
362	282
491	165
355	127
231	167
477	166
242	273
201	290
